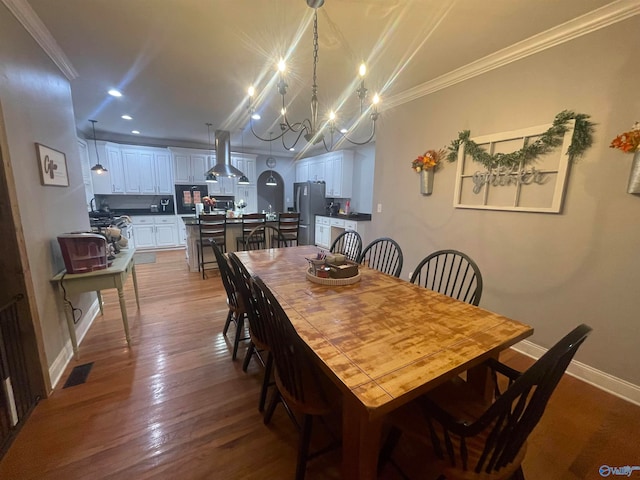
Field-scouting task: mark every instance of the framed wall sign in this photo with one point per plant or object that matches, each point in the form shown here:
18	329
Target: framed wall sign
52	166
535	187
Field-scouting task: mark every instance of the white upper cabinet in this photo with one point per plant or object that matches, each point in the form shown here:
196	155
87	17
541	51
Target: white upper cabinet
246	164
333	168
164	172
111	181
190	165
339	174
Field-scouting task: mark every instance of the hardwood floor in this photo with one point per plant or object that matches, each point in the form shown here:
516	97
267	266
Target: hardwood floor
174	405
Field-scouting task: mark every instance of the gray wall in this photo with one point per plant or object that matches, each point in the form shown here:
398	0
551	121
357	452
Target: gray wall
550	271
36	106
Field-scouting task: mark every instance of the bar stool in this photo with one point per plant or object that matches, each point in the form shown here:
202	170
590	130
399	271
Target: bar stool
249	222
289	225
212	227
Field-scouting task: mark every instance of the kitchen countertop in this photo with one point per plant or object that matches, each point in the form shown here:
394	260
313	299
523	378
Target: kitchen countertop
355	217
192	221
138	211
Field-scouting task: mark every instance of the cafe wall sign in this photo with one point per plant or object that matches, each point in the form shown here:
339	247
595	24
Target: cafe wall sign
522	170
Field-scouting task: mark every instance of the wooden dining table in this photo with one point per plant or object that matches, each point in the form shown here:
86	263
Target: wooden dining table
383	341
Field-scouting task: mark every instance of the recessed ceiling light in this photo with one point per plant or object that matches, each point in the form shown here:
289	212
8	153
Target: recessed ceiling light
127	117
136	132
256	116
114	93
292	149
343	130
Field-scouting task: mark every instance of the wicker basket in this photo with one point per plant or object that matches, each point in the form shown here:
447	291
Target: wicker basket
332	281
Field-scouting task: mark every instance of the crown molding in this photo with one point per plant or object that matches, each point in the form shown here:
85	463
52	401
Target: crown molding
583	25
32	23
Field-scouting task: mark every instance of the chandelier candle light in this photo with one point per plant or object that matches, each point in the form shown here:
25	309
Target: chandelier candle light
629	142
309	127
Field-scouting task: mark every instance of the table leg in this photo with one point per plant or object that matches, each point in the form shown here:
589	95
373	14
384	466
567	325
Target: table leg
135	283
123	309
479	377
360	441
100	302
72	329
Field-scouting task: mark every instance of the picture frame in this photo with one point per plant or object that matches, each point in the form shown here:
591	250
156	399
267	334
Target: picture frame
52	166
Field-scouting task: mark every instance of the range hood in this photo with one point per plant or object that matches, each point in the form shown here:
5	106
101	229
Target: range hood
223	167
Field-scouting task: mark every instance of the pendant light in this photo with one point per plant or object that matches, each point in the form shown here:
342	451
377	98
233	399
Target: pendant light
271	180
210	177
98	168
243	180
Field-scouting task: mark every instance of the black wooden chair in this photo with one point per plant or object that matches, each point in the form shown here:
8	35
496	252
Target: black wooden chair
289	226
299	383
258	346
264	237
452	273
383	254
249	222
211	227
237	309
465	439
348	243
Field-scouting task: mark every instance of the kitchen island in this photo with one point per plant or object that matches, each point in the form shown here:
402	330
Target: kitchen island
234	231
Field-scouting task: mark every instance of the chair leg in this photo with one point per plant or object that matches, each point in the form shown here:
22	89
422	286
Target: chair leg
303	447
275	398
388	447
247	356
239	331
266	381
227	323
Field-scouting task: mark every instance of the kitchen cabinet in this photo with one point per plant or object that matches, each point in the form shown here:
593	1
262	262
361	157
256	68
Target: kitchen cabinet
302	171
333	168
339	174
323	232
147	171
190	165
248	193
111	181
155	231
246	164
328	229
85	164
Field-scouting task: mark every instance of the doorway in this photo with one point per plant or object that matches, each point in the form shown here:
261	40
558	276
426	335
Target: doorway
270	194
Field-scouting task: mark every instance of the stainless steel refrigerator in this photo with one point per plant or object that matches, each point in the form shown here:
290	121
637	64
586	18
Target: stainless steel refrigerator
309	201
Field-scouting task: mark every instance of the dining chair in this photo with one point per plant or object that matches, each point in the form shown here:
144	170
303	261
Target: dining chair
348	243
451	273
258	346
289	225
211	227
237	309
465	438
383	254
264	237
249	222
299	383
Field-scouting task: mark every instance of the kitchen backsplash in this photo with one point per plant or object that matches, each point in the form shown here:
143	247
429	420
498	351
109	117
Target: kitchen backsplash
128	202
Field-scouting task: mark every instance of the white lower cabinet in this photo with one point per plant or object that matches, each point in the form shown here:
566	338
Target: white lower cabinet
155	231
323	232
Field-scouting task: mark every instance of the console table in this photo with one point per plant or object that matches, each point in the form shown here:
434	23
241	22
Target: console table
113	277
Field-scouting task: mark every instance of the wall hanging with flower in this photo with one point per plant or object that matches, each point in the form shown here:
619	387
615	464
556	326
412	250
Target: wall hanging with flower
425	165
629	142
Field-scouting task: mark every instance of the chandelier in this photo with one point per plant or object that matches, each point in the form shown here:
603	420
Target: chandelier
309	128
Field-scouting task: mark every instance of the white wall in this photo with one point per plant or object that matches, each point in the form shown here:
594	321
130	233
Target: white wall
550	271
37	107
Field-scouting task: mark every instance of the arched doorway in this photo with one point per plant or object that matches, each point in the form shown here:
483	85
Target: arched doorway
270	194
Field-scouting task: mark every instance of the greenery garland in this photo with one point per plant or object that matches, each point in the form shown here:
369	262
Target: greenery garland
552	138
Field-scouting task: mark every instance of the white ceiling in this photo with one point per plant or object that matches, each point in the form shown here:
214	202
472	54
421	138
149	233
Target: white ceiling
183	63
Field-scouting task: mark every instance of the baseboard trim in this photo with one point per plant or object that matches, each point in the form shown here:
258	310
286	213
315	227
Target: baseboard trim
59	365
599	379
